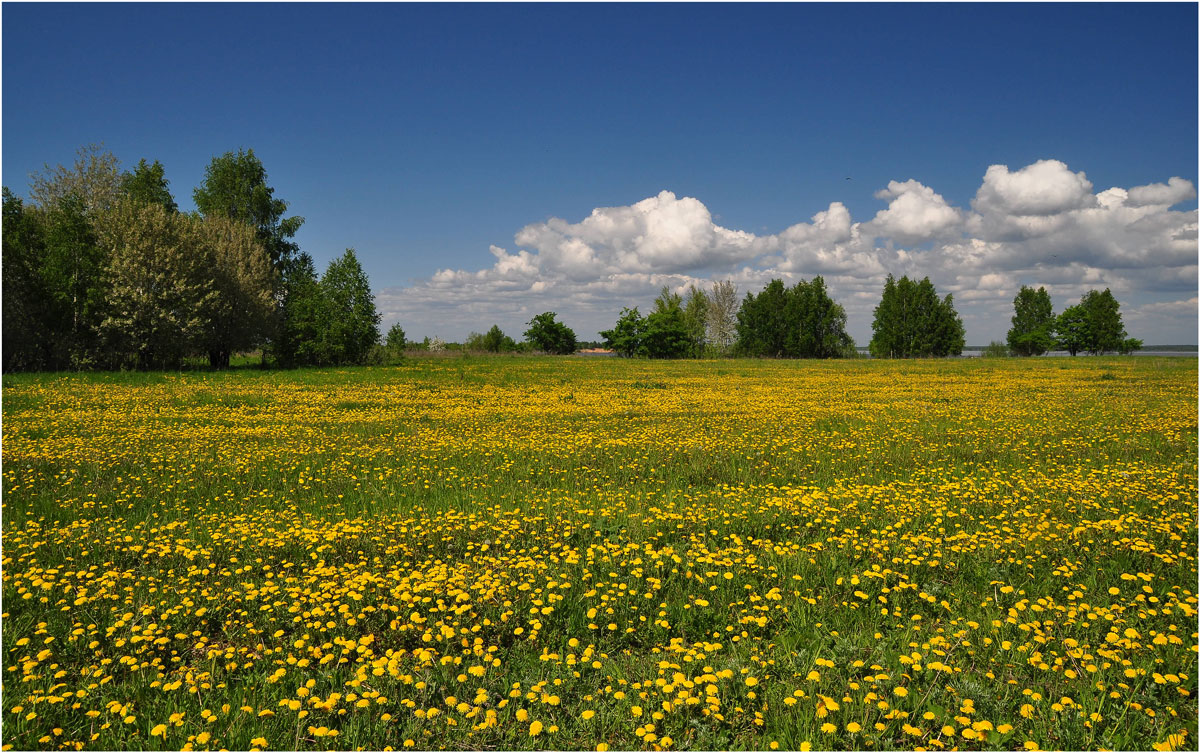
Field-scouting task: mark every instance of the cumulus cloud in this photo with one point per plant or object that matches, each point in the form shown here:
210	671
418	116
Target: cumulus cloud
1047	187
915	214
1169	194
1041	224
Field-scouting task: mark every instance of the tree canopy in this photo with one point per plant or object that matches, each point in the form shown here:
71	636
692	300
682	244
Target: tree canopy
797	322
101	270
235	186
912	322
1032	332
1094	326
549	335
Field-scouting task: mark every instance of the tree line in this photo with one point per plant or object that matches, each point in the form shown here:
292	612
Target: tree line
801	321
1092	326
102	270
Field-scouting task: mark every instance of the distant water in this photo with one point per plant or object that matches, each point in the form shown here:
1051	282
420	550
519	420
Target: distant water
1063	353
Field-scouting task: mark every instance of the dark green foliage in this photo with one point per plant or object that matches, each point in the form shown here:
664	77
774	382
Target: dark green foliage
1106	332
235	186
625	338
762	321
667	333
105	272
26	337
550	336
1073	330
1129	345
351	323
1094	325
696	312
72	270
912	322
396	337
797	322
996	349
303	314
495	341
1032	332
148	184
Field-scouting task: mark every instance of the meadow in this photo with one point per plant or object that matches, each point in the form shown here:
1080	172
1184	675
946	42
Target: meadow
569	553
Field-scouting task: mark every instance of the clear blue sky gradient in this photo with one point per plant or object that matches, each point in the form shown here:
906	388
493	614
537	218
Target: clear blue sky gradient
420	134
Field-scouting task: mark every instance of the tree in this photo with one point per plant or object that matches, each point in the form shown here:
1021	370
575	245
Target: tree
817	323
911	321
26	338
1094	325
721	320
762	321
242	313
1073	330
351	326
1129	345
148	184
160	288
72	271
625	338
302	315
94	180
395	337
797	322
667	333
1032	332
695	317
550	336
235	186
1106	332
495	341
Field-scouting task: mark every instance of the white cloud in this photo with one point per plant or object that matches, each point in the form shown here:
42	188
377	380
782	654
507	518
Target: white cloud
1038	225
1158	194
1045	188
916	214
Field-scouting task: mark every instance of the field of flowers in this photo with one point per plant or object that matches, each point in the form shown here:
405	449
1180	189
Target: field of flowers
569	553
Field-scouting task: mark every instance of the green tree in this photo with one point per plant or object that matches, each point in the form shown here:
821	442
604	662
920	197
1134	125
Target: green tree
695	315
396	337
817	325
495	341
1032	332
1106	332
27	338
625	338
235	186
72	271
762	321
550	336
667	332
912	322
242	314
1129	345
351	324
797	322
148	184
302	315
1073	329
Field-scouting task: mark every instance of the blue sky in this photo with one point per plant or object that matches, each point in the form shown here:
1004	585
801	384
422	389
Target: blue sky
423	135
